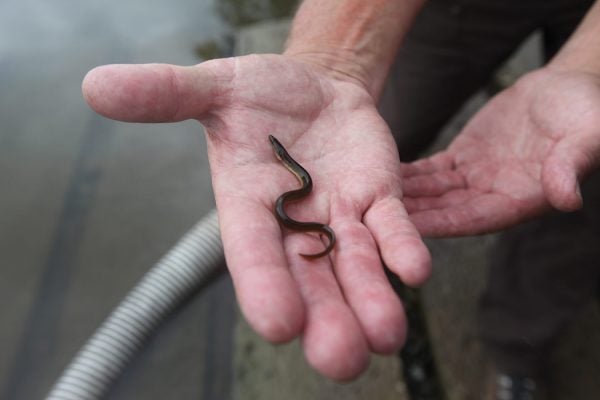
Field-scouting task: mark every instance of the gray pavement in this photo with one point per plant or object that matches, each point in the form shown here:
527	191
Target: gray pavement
88	205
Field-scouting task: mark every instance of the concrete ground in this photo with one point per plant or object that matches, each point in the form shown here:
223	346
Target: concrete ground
88	205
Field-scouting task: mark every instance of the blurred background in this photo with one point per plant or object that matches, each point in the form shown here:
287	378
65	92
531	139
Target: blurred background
88	205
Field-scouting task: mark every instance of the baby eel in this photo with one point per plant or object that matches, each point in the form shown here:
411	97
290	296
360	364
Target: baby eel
304	178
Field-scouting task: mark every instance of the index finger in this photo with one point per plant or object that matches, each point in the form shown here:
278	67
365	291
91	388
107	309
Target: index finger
438	162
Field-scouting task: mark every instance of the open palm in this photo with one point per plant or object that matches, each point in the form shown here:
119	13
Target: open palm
523	152
341	305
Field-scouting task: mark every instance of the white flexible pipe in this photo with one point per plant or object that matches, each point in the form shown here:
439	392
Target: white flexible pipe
176	276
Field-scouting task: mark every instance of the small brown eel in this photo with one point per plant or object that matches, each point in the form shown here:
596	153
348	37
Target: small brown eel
304	178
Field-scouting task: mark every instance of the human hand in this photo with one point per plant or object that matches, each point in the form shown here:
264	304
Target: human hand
523	152
342	305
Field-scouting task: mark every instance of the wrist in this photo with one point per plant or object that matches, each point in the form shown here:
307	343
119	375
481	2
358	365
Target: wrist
581	53
574	63
354	40
335	63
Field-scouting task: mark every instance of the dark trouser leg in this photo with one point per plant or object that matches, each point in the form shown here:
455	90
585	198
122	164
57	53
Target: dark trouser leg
544	271
451	51
560	21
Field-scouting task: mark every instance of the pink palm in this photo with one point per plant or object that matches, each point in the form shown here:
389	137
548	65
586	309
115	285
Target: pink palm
522	153
342	305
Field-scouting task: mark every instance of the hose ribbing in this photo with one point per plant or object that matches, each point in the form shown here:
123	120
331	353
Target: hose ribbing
174	278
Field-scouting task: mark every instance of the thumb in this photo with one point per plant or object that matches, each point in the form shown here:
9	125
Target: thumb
156	92
566	166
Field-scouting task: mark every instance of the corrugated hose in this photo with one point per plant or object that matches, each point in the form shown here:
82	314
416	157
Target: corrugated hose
176	277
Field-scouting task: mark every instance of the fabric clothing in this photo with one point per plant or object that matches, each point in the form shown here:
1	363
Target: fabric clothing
543	271
453	49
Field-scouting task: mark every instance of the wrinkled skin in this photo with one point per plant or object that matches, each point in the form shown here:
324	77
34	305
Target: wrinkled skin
342	306
522	153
